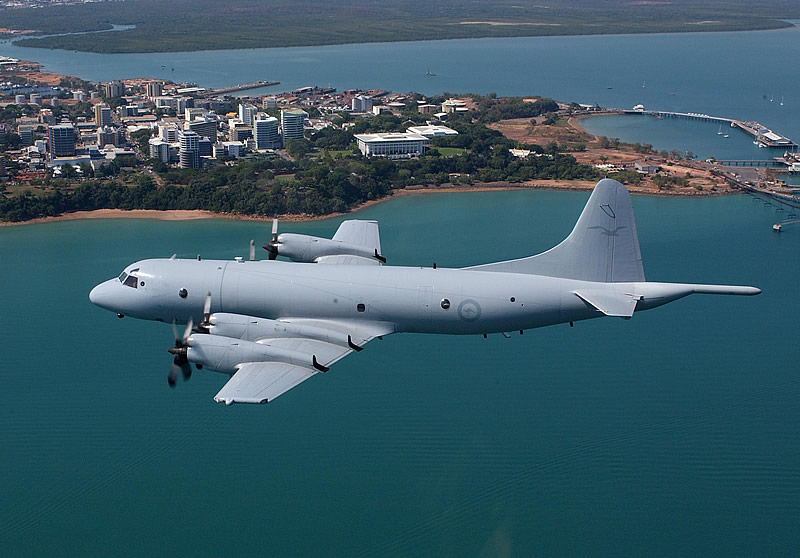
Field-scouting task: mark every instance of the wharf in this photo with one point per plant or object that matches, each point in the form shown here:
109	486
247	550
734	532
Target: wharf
241	87
762	136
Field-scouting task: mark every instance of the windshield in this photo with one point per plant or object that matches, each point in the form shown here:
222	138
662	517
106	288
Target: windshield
130	280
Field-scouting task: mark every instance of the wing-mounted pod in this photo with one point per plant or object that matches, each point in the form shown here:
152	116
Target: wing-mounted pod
355	242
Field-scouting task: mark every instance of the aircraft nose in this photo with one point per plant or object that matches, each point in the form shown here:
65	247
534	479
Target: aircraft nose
102	295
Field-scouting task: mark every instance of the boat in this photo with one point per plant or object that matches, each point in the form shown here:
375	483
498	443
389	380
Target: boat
781	100
725	135
777	227
429	73
719	132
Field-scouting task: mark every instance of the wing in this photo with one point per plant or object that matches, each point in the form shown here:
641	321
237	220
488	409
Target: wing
315	345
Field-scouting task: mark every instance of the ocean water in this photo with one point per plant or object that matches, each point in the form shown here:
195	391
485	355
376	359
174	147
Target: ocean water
674	433
723	74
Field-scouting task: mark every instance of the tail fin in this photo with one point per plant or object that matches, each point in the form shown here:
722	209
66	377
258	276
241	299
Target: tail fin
602	247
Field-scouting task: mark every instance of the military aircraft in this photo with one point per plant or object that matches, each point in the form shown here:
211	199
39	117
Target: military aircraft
272	324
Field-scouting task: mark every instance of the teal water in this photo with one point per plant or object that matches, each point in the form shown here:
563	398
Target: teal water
674	433
701	138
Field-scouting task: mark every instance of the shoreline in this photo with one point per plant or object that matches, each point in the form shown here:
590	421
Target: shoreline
779	25
200	214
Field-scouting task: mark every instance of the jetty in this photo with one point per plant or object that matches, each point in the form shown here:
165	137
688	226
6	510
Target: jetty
241	87
762	136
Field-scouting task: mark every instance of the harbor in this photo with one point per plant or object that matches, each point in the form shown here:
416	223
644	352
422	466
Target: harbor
762	136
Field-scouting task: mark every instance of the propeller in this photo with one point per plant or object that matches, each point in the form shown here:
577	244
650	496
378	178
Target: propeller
205	323
272	246
180	362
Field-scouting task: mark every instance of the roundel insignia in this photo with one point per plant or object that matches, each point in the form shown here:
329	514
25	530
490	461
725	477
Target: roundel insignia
469	310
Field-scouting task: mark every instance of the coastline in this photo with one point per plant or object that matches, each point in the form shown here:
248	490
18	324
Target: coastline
199	214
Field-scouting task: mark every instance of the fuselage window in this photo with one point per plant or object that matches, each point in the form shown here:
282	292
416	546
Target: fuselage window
361	307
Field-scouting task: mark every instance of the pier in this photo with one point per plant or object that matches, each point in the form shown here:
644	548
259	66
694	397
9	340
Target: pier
241	87
768	163
762	136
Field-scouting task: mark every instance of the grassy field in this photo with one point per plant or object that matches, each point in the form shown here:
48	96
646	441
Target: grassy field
188	25
450	151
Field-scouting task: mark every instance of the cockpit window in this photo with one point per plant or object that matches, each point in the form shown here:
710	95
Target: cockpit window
130	280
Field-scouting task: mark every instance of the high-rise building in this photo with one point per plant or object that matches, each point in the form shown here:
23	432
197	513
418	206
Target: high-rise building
265	131
270	102
154	89
36	99
106	135
362	103
159	149
240	132
292	124
114	89
205	148
190	150
247	113
204	127
79	96
25	133
62	140
169	132
102	115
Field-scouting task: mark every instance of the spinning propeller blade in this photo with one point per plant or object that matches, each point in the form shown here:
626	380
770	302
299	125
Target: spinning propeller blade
272	246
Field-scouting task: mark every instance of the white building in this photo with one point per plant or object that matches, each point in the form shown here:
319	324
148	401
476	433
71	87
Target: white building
230	148
265	132
433	131
292	124
190	150
362	103
395	145
247	114
159	149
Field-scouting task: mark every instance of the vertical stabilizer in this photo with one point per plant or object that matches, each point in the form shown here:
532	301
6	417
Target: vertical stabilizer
602	247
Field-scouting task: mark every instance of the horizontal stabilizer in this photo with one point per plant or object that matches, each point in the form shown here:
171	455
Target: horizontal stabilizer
615	304
360	233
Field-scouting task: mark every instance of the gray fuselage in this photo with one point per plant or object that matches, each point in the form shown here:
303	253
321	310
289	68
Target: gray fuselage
411	299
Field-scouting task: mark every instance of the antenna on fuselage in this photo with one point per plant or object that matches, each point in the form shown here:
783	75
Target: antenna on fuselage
252	250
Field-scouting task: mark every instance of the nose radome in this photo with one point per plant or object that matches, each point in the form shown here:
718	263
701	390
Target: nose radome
93	295
100	295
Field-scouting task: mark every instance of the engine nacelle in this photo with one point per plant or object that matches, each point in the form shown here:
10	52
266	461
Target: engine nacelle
223	354
251	328
305	248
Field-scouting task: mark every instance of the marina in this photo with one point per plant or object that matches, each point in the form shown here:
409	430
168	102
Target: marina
762	136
